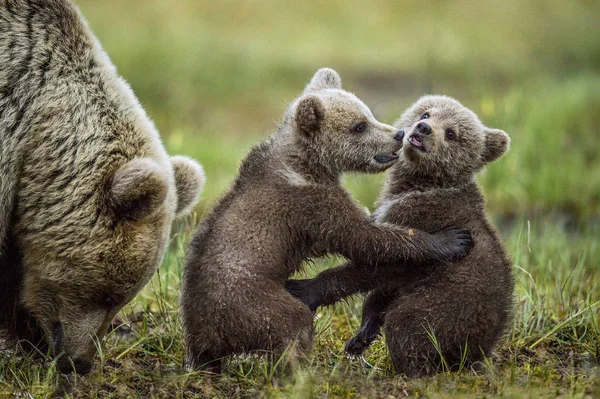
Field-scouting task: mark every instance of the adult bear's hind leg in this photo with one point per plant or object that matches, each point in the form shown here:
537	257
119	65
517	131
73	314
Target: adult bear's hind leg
16	322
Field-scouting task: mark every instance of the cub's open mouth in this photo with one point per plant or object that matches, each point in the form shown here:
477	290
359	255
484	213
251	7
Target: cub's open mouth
386	158
416	142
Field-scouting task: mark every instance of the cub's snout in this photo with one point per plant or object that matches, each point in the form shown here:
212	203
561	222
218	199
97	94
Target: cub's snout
389	155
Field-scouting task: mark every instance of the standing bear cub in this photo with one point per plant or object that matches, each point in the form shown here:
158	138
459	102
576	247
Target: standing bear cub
285	206
87	191
463	307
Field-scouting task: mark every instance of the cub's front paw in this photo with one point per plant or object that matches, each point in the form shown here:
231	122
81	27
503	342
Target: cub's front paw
455	244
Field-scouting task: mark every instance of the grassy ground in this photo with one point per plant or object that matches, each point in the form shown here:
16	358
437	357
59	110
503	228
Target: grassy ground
216	76
552	348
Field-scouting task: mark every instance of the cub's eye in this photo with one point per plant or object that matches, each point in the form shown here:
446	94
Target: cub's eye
450	134
425	115
361	127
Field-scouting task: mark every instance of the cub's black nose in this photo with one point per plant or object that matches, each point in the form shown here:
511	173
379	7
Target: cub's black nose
399	136
423	127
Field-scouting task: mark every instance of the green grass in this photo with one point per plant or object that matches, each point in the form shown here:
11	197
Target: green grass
552	348
216	75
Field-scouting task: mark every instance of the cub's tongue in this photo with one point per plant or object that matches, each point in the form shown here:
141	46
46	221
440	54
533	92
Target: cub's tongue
416	140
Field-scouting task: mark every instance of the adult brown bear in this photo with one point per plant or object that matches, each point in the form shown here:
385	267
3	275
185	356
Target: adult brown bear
87	191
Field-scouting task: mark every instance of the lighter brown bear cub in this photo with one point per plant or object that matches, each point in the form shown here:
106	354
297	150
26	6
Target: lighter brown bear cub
464	306
87	191
285	206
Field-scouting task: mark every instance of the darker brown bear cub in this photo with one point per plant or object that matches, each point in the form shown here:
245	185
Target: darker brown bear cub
464	308
285	206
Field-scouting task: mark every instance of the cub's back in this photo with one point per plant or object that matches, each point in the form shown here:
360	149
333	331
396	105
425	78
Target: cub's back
249	233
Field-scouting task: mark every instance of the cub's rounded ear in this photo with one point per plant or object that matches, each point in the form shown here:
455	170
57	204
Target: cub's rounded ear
325	78
310	112
138	189
189	181
497	143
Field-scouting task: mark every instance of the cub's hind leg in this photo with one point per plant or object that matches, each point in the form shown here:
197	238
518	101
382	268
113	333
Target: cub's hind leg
373	314
263	319
289	328
406	329
204	360
430	330
204	347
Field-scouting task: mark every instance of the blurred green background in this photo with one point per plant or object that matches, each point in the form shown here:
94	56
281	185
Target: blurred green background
216	76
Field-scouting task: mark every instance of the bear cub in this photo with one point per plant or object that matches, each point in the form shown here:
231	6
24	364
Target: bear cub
285	206
464	307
